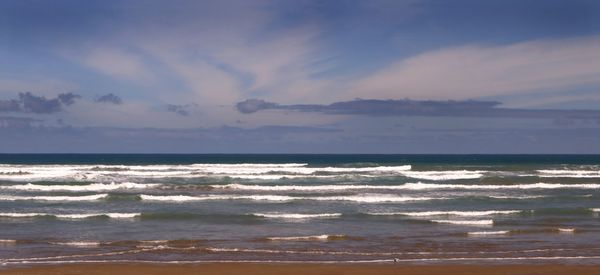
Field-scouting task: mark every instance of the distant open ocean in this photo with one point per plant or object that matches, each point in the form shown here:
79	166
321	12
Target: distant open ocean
421	209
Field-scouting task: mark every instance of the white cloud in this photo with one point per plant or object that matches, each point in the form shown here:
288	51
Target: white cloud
478	71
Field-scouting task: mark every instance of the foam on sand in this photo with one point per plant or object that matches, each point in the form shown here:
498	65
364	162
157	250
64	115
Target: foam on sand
309	238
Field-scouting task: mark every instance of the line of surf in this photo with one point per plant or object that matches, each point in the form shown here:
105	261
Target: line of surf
450	213
54	198
71	216
79	188
374	198
296	215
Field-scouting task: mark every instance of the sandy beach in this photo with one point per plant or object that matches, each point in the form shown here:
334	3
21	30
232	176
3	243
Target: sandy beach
314	269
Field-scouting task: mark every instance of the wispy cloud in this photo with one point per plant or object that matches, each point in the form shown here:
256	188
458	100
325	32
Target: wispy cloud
475	71
117	63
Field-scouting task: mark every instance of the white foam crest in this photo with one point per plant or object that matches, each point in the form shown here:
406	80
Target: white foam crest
444	175
22	215
90	215
79	188
183	198
172	198
517	197
122	215
461	222
566	230
406	186
297	216
272	177
54	198
238	171
541	185
243	171
75	216
566	173
485	233
238	165
71	216
305	238
305	187
452	213
373	198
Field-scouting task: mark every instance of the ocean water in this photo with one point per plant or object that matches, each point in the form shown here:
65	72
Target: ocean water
418	209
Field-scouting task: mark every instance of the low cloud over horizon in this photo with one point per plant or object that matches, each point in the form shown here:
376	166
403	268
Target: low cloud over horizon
407	107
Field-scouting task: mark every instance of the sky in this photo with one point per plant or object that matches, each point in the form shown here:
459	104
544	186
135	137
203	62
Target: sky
233	76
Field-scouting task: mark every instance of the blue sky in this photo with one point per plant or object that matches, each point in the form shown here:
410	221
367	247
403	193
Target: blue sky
167	76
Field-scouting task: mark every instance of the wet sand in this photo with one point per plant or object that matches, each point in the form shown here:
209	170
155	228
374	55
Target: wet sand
303	269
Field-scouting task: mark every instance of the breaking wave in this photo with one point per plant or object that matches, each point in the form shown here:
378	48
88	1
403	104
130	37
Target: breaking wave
451	213
374	198
54	198
72	216
473	222
297	216
79	188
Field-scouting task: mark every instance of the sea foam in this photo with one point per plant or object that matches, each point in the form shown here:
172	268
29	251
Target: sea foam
308	238
425	186
487	233
71	216
79	188
54	198
461	222
297	216
452	213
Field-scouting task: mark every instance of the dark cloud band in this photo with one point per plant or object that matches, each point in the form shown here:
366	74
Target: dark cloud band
406	107
109	98
30	103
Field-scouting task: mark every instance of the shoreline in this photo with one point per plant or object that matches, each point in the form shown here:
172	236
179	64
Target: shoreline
279	268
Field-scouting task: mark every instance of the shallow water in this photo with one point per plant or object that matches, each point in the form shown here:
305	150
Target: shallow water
414	208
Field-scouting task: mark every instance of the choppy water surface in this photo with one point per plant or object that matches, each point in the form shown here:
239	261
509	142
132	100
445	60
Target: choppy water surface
188	208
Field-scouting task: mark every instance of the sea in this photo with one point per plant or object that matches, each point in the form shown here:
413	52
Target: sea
410	209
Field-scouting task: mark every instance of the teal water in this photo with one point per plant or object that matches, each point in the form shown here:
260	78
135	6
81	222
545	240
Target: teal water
413	208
